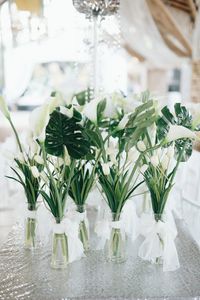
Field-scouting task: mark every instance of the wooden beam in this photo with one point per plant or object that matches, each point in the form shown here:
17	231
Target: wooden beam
179	6
133	53
192	8
168	26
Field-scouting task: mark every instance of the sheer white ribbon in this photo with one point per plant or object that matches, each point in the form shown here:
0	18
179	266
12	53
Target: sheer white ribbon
32	214
69	226
159	241
75	246
128	222
78	217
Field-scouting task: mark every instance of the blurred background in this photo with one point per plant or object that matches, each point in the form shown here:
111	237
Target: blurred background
47	45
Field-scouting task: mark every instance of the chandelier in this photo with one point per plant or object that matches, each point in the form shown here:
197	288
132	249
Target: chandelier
97	7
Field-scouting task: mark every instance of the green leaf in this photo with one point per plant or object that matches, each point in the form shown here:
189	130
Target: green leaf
95	138
184	117
50	203
62	131
168	116
100	109
83	97
187	144
162	128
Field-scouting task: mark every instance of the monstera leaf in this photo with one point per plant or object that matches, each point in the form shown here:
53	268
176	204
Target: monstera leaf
143	117
63	131
182	117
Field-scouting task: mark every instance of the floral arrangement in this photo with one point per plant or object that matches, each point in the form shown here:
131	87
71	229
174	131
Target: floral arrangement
167	148
27	167
112	144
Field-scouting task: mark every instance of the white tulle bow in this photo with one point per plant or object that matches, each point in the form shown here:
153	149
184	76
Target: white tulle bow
129	223
32	214
69	226
78	217
75	246
159	242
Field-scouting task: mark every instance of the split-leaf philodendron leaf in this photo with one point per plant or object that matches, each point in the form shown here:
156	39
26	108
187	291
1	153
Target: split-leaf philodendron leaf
182	117
63	131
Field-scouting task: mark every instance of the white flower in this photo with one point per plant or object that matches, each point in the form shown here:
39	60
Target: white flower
67	159
133	155
39	159
178	132
40	116
4	108
144	168
159	153
141	146
106	168
67	111
20	157
53	102
35	172
110	110
39	120
170	152
90	110
122	124
59	162
33	145
165	162
112	150
154	160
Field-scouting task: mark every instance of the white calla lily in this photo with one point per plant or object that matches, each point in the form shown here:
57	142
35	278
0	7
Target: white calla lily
39	159
53	103
67	159
35	172
67	111
40	116
170	152
154	160
20	157
90	110
122	124
133	155
4	108
113	150
179	132
141	146
39	120
165	162
106	168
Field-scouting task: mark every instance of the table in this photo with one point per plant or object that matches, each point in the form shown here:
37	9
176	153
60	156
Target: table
26	275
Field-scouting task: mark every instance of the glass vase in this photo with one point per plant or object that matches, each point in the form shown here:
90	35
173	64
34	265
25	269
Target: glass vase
30	230
159	259
116	245
59	257
83	228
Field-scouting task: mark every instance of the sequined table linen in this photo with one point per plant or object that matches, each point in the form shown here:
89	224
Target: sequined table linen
24	275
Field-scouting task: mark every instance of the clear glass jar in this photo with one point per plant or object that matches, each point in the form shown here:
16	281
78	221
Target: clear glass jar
30	230
116	246
59	257
83	228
